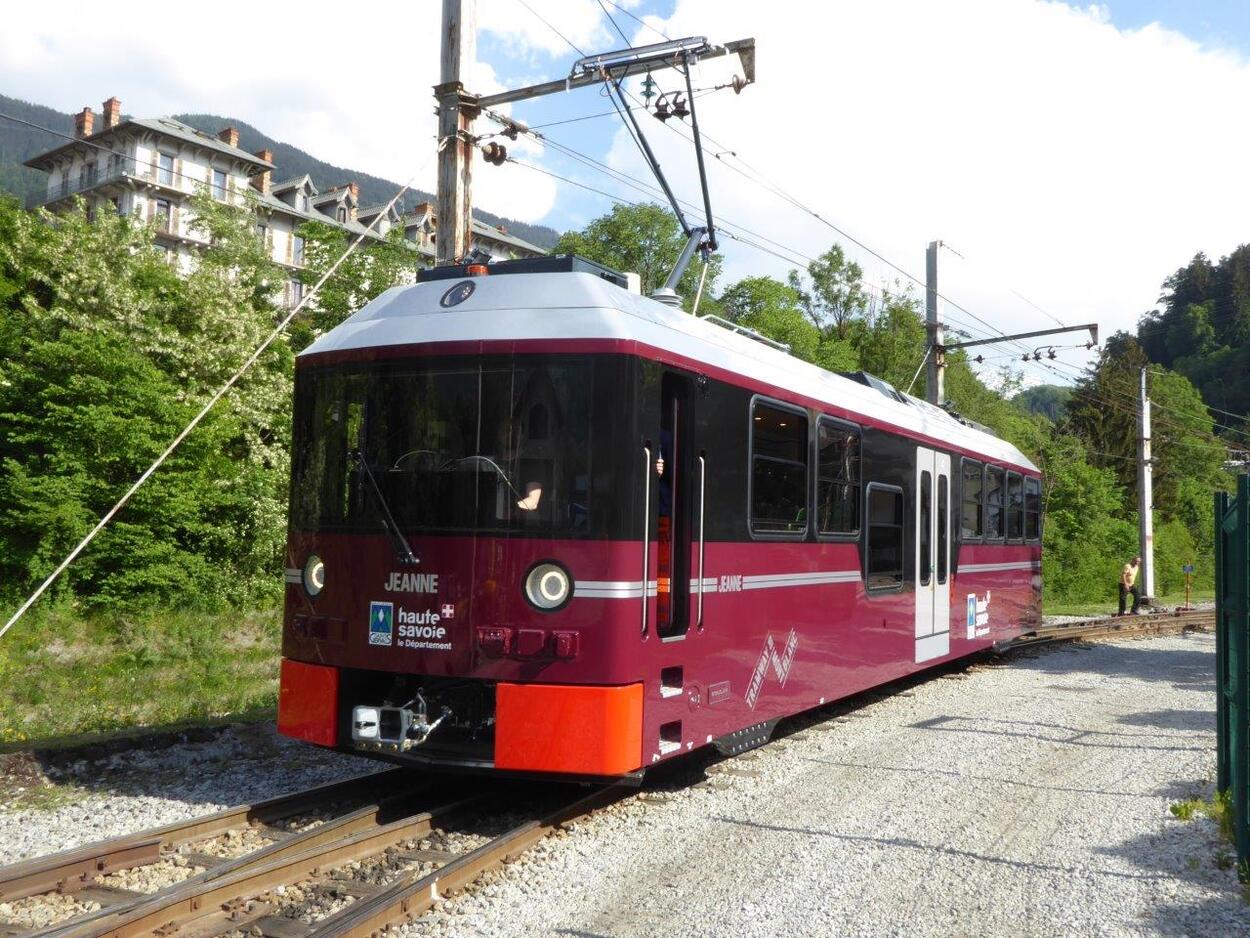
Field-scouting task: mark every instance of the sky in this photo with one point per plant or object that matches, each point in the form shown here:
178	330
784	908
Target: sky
1068	156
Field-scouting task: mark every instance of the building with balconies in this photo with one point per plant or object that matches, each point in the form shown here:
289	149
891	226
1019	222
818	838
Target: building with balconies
150	167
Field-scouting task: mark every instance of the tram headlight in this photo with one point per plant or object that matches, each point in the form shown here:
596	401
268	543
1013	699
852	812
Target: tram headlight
548	586
314	575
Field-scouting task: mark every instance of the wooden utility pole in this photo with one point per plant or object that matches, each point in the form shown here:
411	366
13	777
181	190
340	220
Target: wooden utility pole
456	112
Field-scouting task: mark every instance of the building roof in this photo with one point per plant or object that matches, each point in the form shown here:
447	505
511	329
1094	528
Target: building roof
161	125
293	183
563	307
490	231
368	211
352	227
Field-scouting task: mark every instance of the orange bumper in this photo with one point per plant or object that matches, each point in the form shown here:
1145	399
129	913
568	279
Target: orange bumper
569	729
308	702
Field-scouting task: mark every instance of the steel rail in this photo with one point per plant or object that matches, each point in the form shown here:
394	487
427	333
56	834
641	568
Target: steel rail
1109	627
72	870
412	896
363	818
172	910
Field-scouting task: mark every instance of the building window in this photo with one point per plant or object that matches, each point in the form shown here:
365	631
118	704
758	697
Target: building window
117	204
162	214
165	168
1015	507
971	521
993	502
303	202
262	232
219	185
342	214
778	470
1032	509
885	537
65	182
297	250
837	478
296	291
86	176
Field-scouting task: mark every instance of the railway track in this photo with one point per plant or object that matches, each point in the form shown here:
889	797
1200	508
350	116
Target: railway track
344	859
1162	623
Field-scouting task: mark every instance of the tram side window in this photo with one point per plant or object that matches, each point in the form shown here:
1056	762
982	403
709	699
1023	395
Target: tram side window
971	512
1015	507
1032	509
993	502
837	479
885	537
778	470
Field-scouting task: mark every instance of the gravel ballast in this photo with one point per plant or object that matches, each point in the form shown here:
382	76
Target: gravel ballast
131	790
1025	797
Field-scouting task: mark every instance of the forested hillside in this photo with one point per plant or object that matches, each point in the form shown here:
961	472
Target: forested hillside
19	143
1202	330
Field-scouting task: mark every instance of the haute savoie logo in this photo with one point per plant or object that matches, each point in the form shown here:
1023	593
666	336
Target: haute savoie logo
381	623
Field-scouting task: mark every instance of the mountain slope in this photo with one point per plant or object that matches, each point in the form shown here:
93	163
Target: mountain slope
19	143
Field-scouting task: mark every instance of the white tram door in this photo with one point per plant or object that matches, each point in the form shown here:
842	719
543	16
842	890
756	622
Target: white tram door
933	545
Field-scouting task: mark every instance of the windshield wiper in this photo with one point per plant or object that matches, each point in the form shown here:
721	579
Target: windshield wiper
403	552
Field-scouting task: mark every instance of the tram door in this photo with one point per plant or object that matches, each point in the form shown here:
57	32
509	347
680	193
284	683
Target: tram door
673	525
933	543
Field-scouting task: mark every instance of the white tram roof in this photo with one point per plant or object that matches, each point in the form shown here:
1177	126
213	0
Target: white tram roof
528	306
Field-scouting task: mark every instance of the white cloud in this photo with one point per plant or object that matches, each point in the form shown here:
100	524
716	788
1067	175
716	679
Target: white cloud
1067	159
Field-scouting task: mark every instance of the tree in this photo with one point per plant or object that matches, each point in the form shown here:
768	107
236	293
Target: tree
645	239
890	341
832	293
375	266
108	352
772	308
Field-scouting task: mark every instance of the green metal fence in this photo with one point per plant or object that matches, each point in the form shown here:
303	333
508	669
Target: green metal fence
1232	658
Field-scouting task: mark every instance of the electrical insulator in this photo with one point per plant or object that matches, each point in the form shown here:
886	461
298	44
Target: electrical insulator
661	109
738	84
679	107
495	153
648	89
1051	355
980	359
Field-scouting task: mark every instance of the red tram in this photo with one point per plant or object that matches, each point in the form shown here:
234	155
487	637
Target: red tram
542	524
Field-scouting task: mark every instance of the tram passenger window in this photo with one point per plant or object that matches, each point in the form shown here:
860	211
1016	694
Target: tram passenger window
885	537
971	517
1015	507
1032	509
837	478
778	470
993	502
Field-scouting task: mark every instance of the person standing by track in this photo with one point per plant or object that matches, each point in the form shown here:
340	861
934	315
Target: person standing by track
1128	584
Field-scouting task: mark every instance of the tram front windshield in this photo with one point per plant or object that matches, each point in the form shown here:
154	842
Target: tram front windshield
452	448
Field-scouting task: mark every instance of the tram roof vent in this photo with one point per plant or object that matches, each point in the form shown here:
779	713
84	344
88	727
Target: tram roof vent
743	330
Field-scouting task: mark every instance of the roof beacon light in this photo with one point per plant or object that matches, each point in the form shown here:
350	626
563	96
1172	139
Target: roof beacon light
477	270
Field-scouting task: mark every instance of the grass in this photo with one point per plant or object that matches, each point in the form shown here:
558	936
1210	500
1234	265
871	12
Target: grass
1112	605
63	675
1219	808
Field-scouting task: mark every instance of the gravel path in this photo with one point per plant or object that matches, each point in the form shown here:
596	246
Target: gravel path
1028	798
136	789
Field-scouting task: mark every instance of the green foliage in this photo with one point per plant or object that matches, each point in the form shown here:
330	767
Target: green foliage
773	308
1046	400
645	239
107	354
832	291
